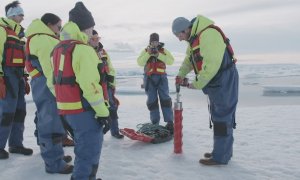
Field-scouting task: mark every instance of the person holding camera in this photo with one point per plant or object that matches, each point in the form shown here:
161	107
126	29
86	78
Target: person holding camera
154	59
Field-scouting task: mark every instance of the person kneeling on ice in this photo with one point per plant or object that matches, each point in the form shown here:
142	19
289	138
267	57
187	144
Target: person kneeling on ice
211	56
79	95
107	73
154	59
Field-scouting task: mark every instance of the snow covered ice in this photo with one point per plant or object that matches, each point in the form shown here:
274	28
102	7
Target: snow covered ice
266	143
263	34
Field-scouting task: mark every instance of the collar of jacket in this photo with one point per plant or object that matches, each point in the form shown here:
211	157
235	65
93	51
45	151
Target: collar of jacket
11	24
72	31
199	24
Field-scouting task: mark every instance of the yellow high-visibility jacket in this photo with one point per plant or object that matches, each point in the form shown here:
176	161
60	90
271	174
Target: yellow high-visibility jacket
85	62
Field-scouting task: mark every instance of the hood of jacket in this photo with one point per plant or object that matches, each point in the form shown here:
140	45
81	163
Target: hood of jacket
12	24
199	24
37	26
72	31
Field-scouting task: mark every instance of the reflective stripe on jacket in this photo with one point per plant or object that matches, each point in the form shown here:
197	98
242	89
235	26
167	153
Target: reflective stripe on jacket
155	65
212	47
84	65
13	49
68	93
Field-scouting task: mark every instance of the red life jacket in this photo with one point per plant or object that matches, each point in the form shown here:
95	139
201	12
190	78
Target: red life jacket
196	58
154	65
13	53
33	71
103	56
104	70
68	92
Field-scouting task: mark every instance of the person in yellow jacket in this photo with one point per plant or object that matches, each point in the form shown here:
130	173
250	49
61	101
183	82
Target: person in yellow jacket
79	95
108	81
42	36
154	59
13	82
211	57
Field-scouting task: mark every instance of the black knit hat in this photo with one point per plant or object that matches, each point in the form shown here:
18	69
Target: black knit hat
154	37
50	18
81	16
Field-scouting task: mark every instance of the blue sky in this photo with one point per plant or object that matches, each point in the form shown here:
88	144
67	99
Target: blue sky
256	28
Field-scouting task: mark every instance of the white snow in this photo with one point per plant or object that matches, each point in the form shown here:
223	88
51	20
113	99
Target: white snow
266	143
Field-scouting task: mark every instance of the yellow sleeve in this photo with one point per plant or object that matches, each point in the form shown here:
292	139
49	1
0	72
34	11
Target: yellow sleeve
42	46
212	50
85	63
166	58
186	66
2	42
143	58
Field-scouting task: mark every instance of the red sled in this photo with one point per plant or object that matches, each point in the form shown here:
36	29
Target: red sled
132	134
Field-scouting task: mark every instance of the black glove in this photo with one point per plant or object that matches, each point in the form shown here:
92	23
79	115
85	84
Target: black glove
182	81
104	122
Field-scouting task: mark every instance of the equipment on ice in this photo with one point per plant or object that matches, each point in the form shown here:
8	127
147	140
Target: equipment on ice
149	133
177	122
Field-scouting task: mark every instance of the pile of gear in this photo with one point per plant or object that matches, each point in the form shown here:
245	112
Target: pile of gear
149	133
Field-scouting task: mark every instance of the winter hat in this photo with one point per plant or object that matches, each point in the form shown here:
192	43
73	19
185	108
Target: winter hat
14	11
50	18
154	37
81	16
180	24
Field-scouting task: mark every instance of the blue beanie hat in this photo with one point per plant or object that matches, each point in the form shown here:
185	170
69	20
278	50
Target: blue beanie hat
180	24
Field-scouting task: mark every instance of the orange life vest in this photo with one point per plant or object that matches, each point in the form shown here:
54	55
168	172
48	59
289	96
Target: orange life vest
154	65
13	53
33	71
68	92
196	58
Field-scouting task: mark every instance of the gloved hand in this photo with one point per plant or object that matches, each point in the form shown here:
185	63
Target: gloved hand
178	80
27	87
190	86
104	122
2	88
153	51
182	81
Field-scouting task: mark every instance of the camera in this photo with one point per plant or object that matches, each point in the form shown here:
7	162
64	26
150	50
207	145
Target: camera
153	49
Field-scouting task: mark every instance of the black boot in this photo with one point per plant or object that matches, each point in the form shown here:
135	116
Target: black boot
208	155
67	158
20	150
118	135
208	162
3	154
68	169
170	126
